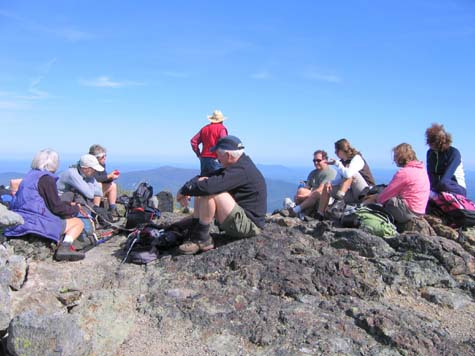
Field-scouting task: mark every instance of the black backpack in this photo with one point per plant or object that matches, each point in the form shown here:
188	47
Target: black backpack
141	196
138	211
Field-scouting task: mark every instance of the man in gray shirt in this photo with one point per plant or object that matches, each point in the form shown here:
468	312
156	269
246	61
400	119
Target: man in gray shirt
307	197
81	180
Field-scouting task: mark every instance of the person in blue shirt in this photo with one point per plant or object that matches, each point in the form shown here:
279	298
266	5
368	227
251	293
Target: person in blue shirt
444	162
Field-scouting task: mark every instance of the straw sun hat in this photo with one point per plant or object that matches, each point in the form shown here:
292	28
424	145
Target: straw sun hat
217	116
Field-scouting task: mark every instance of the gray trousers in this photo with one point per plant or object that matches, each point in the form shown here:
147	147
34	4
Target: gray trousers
399	210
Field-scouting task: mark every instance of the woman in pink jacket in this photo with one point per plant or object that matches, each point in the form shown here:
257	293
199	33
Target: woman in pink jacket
407	194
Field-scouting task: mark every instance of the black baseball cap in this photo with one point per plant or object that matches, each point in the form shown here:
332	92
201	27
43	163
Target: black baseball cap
229	143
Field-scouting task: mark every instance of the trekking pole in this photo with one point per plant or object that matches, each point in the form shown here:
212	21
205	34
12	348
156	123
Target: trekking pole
131	245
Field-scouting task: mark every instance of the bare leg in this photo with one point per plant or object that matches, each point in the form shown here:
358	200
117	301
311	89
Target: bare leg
345	186
324	199
74	227
311	200
110	191
302	194
219	206
97	201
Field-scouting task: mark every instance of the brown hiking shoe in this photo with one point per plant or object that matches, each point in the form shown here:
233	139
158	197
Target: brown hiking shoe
193	247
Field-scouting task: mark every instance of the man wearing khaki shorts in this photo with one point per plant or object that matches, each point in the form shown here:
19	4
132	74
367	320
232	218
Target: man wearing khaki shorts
236	196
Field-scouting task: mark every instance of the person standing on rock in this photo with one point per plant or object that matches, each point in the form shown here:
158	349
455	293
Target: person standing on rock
207	137
43	212
236	196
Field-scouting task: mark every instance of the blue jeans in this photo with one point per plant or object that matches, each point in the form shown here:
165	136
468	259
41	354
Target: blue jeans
209	165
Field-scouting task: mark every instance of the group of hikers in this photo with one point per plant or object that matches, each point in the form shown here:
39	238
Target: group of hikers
350	181
230	190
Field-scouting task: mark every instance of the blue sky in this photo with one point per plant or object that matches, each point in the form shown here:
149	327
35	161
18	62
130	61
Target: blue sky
140	77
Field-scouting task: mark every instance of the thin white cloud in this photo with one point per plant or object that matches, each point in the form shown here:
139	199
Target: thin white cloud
72	34
34	92
263	75
322	77
106	82
17	101
67	33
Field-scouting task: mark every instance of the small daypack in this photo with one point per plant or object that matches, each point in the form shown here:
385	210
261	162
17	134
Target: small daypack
141	196
376	222
459	211
138	210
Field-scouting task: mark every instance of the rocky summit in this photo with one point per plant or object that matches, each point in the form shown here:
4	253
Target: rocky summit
299	288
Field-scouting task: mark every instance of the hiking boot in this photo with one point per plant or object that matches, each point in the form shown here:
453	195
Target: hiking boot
339	195
193	247
319	216
293	214
288	203
114	214
67	252
80	245
200	241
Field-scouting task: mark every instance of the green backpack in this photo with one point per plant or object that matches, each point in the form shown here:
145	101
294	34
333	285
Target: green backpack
376	222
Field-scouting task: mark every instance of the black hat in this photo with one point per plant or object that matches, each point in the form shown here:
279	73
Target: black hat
228	143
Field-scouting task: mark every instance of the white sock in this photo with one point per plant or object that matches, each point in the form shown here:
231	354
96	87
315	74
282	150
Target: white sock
297	209
68	239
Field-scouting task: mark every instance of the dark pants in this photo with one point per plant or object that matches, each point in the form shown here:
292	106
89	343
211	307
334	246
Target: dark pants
451	187
209	165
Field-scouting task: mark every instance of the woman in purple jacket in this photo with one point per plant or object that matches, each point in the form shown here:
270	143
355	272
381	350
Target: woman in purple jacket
43	212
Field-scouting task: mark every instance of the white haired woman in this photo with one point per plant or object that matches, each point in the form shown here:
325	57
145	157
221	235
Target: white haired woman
38	202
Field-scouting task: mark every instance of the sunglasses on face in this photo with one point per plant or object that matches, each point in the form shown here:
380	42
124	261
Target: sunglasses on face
317	160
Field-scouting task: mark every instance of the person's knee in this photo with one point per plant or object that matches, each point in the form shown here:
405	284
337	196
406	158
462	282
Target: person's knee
78	223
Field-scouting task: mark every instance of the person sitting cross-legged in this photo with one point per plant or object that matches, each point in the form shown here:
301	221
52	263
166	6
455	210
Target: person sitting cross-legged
43	212
407	194
236	196
353	177
307	197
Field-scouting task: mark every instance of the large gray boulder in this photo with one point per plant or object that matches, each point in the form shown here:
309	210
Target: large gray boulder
299	288
32	335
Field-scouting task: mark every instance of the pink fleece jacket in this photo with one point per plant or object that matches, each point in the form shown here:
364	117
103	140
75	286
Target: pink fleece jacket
411	183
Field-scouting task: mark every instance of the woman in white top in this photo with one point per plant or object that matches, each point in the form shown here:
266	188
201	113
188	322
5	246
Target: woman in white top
353	176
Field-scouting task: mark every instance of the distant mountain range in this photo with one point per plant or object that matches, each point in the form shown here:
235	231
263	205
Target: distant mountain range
281	181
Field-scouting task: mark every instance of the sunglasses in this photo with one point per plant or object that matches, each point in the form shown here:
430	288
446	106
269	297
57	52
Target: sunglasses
317	160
